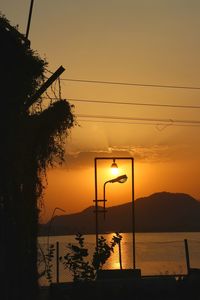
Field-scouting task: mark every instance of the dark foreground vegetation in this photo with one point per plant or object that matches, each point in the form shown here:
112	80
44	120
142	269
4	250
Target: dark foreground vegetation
32	138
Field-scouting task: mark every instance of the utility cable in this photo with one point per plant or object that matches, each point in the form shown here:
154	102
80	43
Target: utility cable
133	84
129	103
172	121
139	123
134	103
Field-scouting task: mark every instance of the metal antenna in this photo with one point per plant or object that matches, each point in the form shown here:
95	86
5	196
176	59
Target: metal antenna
29	18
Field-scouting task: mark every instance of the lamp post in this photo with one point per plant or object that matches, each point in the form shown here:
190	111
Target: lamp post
50	223
48	247
122	178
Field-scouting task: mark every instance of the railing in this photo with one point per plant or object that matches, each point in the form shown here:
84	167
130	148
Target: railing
153	258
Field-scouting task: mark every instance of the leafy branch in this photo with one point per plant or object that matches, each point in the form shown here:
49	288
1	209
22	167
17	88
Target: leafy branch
77	259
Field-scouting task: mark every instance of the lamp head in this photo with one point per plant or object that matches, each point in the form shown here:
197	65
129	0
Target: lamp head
120	179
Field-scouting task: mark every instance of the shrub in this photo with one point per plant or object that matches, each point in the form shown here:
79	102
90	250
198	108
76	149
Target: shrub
77	259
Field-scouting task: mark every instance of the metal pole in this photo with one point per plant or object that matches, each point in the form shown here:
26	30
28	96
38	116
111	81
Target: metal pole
96	203
29	18
120	254
57	262
133	212
187	256
104	199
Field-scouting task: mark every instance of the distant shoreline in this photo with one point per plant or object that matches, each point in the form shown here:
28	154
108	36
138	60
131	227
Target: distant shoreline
159	212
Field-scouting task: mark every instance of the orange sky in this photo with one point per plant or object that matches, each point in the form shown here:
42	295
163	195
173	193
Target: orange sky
149	42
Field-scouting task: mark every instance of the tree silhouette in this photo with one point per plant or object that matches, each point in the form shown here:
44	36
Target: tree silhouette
32	138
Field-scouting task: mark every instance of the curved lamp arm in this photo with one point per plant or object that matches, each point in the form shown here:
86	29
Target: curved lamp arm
120	179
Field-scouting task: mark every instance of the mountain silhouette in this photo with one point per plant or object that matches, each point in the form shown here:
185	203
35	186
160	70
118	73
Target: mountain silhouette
159	212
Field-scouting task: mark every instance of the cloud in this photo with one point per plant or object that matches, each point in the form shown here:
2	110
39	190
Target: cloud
144	154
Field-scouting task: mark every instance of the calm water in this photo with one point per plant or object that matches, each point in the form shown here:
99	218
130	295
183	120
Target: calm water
156	253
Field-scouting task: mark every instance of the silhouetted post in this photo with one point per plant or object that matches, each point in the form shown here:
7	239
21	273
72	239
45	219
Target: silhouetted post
120	254
57	262
96	203
187	256
29	18
133	212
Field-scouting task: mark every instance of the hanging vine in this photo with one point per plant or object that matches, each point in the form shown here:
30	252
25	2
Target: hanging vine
32	139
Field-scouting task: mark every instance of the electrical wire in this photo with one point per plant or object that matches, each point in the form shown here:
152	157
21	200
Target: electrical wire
139	123
133	84
172	121
134	103
129	103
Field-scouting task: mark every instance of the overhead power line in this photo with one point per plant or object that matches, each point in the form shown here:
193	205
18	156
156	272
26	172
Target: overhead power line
133	103
130	103
134	84
138	123
169	121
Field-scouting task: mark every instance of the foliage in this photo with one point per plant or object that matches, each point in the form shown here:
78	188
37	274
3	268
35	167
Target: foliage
44	262
32	138
77	259
49	256
41	262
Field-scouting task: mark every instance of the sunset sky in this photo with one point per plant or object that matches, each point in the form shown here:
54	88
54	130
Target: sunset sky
146	42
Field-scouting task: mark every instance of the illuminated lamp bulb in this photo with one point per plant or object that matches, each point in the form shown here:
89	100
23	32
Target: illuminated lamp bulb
114	168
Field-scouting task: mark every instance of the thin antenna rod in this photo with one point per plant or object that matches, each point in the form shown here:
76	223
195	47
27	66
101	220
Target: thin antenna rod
29	18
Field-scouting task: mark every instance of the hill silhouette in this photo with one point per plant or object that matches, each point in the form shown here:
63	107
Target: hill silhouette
159	212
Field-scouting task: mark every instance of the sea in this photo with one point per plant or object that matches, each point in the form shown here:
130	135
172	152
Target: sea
155	253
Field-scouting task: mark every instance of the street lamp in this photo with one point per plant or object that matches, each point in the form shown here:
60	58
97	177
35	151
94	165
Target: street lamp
119	179
47	263
50	223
